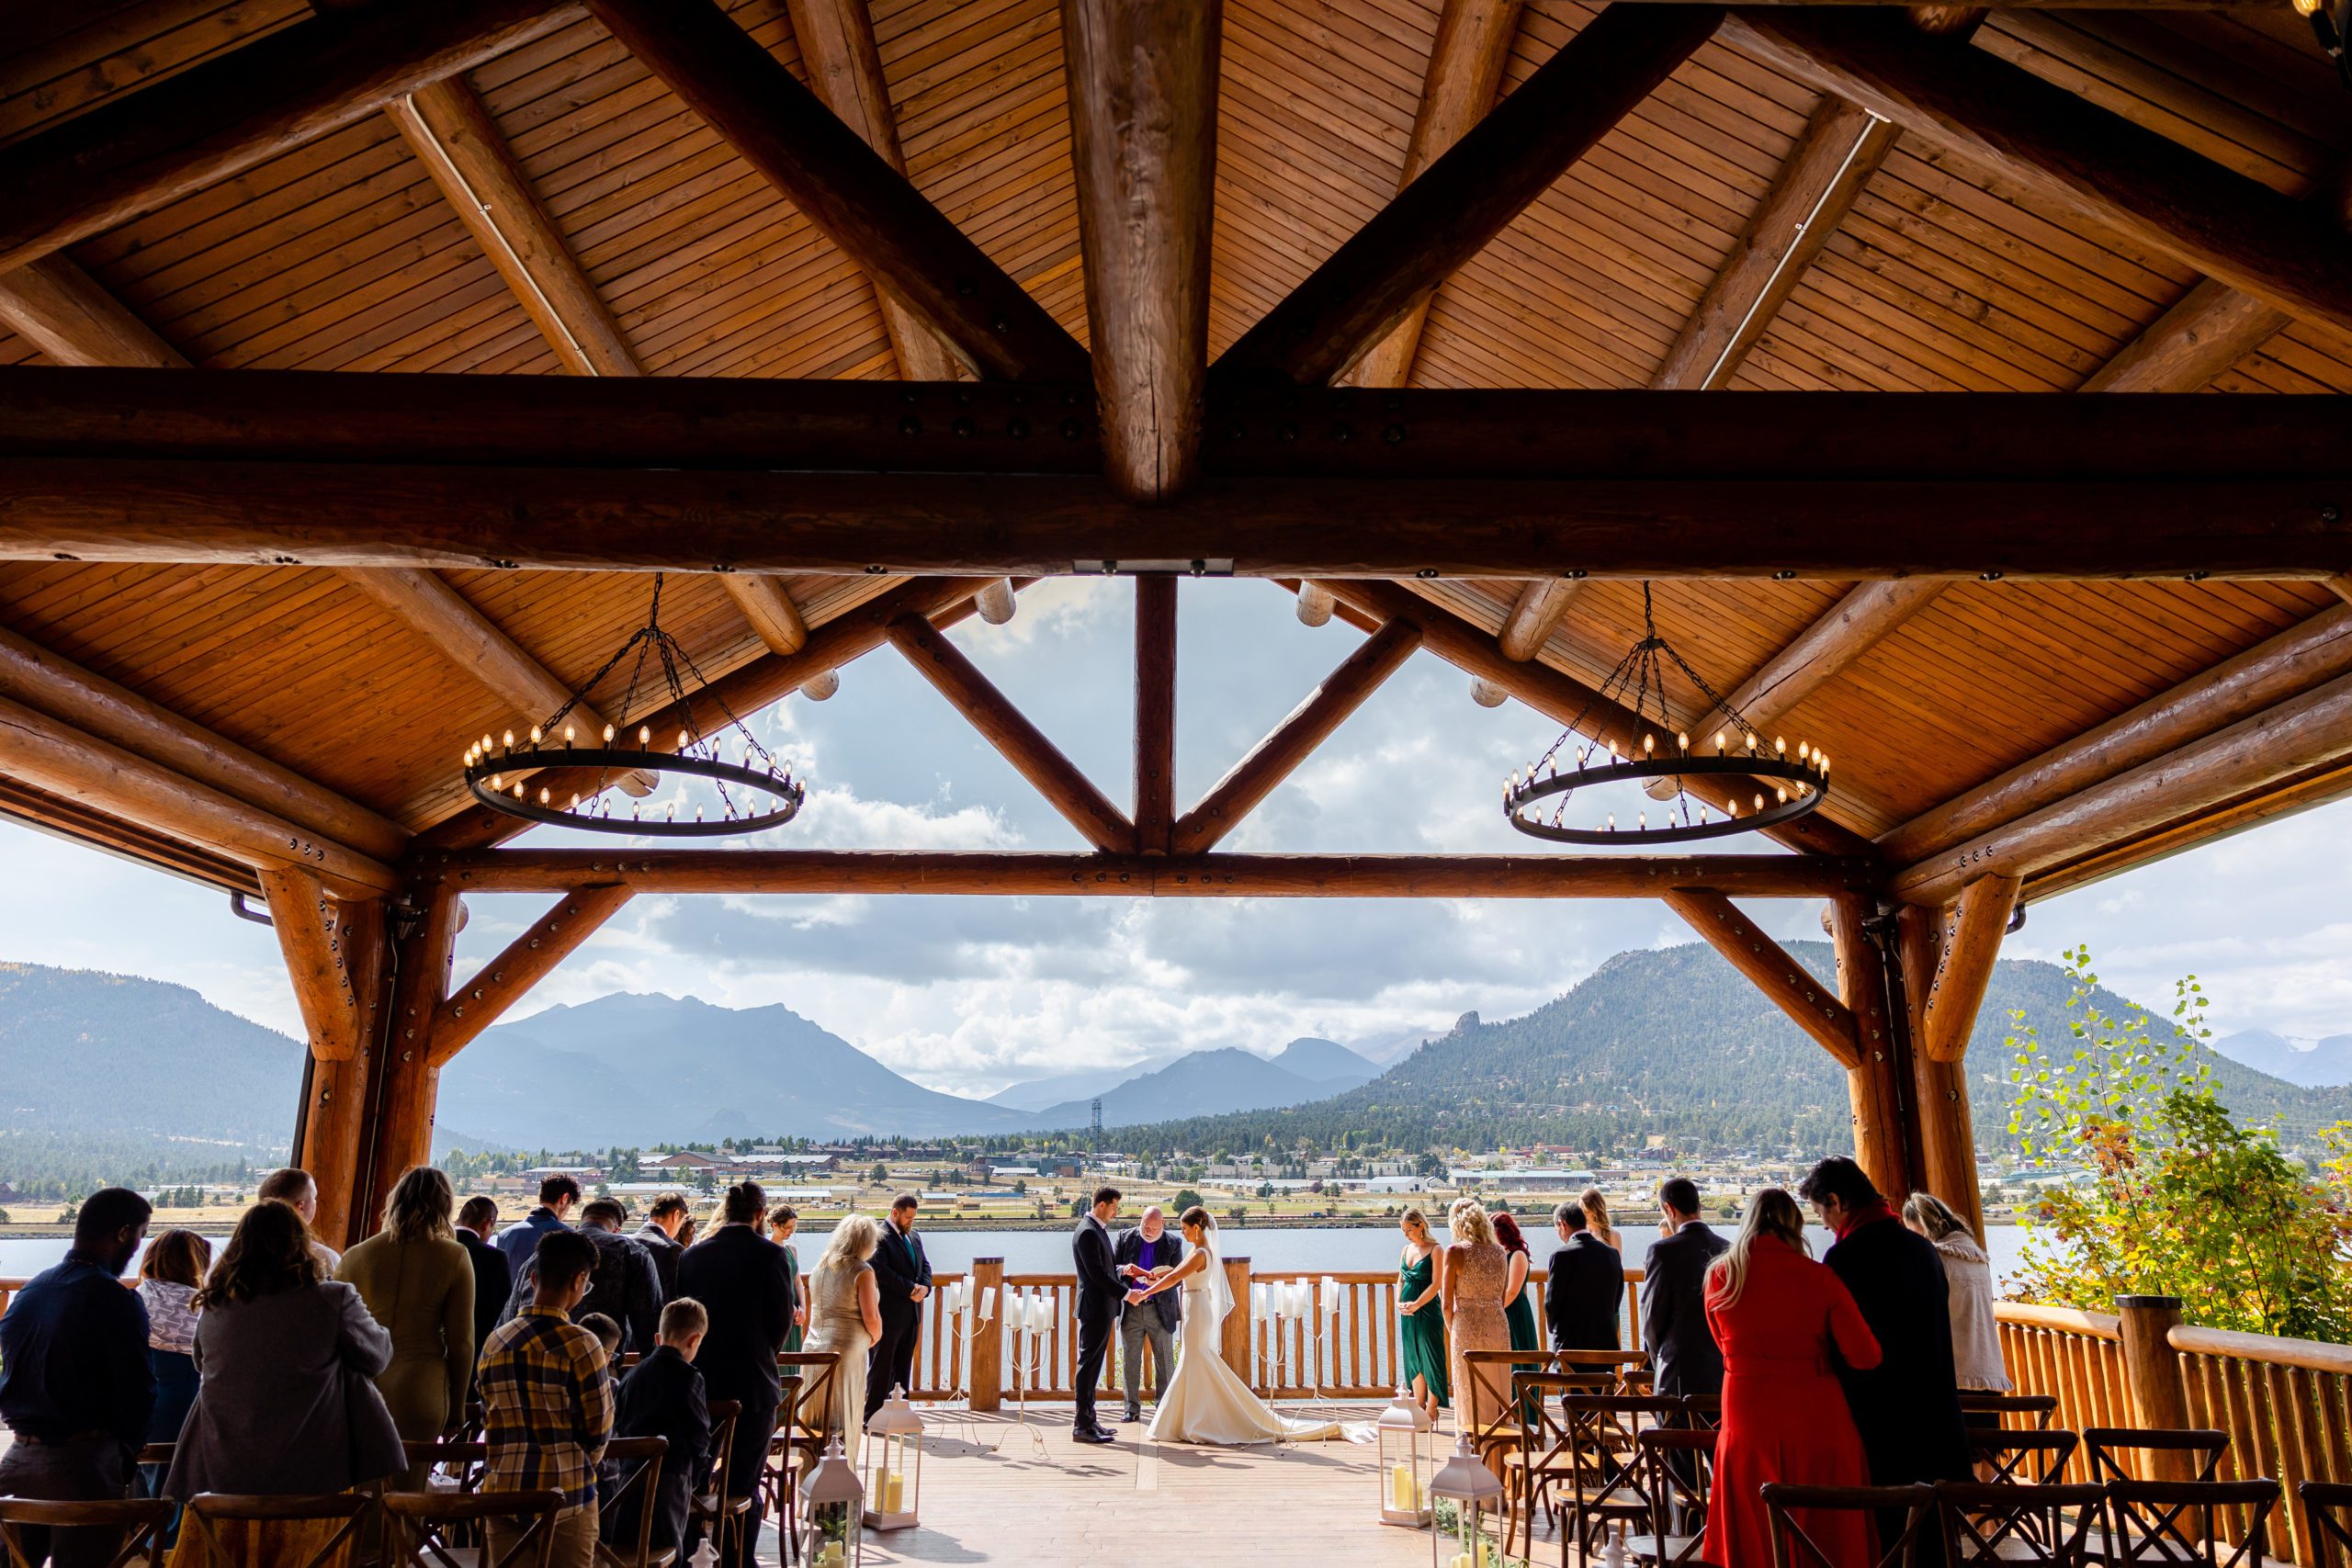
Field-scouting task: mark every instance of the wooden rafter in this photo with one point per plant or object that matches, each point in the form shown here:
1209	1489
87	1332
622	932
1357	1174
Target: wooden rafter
139	150
1006	727
62	311
1155	784
1143	91
774	616
1537	613
845	188
306	922
1121	876
1973	925
1291	742
1470	193
473	1007
2284	666
120	836
2139	183
1851	627
1786	983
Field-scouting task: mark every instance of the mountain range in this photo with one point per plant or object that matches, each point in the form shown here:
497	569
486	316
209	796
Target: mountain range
2311	1063
1202	1083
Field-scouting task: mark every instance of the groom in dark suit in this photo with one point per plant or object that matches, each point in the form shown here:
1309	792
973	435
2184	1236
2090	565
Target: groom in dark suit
1100	1295
902	1279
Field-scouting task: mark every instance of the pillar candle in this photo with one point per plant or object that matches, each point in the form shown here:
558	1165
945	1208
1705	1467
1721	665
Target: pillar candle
894	1493
1402	1492
988	1304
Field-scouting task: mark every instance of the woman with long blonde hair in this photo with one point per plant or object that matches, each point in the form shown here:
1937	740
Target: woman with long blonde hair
1786	1325
419	1284
1595	1205
1477	1275
845	1315
1420	1330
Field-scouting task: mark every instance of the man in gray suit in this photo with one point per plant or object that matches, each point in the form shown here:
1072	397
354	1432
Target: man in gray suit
1144	1255
1674	1295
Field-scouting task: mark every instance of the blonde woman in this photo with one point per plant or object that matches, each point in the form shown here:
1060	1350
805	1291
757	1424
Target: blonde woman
1785	1322
1420	1336
1476	1278
846	1316
1968	1274
419	1284
1595	1205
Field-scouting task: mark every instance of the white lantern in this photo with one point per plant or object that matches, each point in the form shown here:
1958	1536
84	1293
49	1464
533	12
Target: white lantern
830	1500
1476	1494
893	1464
1403	1433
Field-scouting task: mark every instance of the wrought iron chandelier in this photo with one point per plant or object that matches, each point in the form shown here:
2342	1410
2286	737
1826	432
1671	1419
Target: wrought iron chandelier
1627	733
756	793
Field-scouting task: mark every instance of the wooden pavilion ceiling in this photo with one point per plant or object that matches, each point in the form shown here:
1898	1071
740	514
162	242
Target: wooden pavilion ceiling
344	255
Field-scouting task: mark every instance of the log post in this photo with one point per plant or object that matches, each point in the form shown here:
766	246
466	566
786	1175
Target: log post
1155	791
332	1138
407	1083
1873	1084
988	1343
1947	1143
1236	1322
2152	1371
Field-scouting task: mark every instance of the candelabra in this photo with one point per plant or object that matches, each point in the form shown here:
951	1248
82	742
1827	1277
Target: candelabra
1298	1300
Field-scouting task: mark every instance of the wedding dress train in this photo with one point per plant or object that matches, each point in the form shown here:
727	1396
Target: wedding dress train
1206	1401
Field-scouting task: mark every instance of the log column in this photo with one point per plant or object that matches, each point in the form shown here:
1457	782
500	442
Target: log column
1947	1137
407	1082
986	1379
328	1142
1875	1083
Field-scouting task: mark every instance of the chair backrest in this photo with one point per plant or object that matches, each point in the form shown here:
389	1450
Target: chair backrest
2110	1448
421	1520
140	1520
1677	1471
1602	1430
158	1454
214	1516
2327	1508
1794	1545
725	1414
2027	1459
2031	1411
1704	1409
808	1396
2019	1524
463	1463
2178	1522
1490	1373
637	1464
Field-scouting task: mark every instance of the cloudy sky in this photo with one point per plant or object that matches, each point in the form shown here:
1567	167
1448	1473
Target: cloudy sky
969	994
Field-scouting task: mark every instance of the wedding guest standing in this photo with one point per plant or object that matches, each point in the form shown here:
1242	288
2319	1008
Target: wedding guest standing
902	1280
1476	1273
1674	1295
1786	1325
76	1386
659	1236
546	1401
1518	1313
288	1406
1588	1282
845	1317
738	1275
557	1195
419	1284
1968	1283
783	1223
170	1273
299	1190
1595	1205
494	1276
1420	1336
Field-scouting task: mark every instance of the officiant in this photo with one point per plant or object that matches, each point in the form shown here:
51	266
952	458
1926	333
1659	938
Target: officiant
1144	1255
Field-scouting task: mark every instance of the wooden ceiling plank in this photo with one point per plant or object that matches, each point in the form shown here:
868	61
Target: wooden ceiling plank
1852	627
826	170
2135	181
1787	984
1973	925
1291	741
305	922
472	1006
128	157
1465	72
1143	97
1471	193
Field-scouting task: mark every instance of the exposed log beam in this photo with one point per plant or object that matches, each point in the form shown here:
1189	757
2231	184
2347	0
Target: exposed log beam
1000	526
1143	90
139	150
1470	193
331	1139
461	147
1006	727
770	610
1841	147
1786	984
1543	602
2284	666
1973	925
1293	740
120	835
845	188
305	922
2271	747
471	640
1557	696
1121	876
1947	1133
55	757
408	1086
1853	627
473	1007
1874	1084
2139	183
744	690
62	311
1465	72
1155	784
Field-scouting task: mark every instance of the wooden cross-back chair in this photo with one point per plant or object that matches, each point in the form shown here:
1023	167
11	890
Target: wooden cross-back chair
1487	1379
2018	1523
2020	1459
801	1427
460	1462
215	1516
720	1515
137	1523
2176	1523
1612	1486
1793	1547
634	1465
436	1529
1678	1472
1704	1409
2327	1531
2109	1448
2037	1411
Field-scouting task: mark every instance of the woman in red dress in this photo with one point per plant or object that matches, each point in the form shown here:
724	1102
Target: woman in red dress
1779	1316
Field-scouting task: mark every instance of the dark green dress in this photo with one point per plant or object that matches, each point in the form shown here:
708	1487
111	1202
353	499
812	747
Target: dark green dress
1519	1314
1420	1338
794	1334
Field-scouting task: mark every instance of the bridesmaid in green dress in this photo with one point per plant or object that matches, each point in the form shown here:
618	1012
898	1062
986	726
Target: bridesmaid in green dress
783	1220
1518	1313
1420	1336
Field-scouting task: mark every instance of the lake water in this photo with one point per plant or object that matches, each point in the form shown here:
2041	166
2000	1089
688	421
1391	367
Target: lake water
1272	1248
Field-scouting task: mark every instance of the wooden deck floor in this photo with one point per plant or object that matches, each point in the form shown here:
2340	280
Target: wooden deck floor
992	1495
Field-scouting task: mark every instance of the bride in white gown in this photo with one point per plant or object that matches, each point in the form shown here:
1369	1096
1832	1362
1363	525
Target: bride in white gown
1205	1402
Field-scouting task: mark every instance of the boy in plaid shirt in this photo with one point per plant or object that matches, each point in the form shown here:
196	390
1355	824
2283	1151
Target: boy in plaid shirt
548	1404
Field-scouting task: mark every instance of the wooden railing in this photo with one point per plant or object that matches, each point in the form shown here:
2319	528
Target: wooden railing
2076	1356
